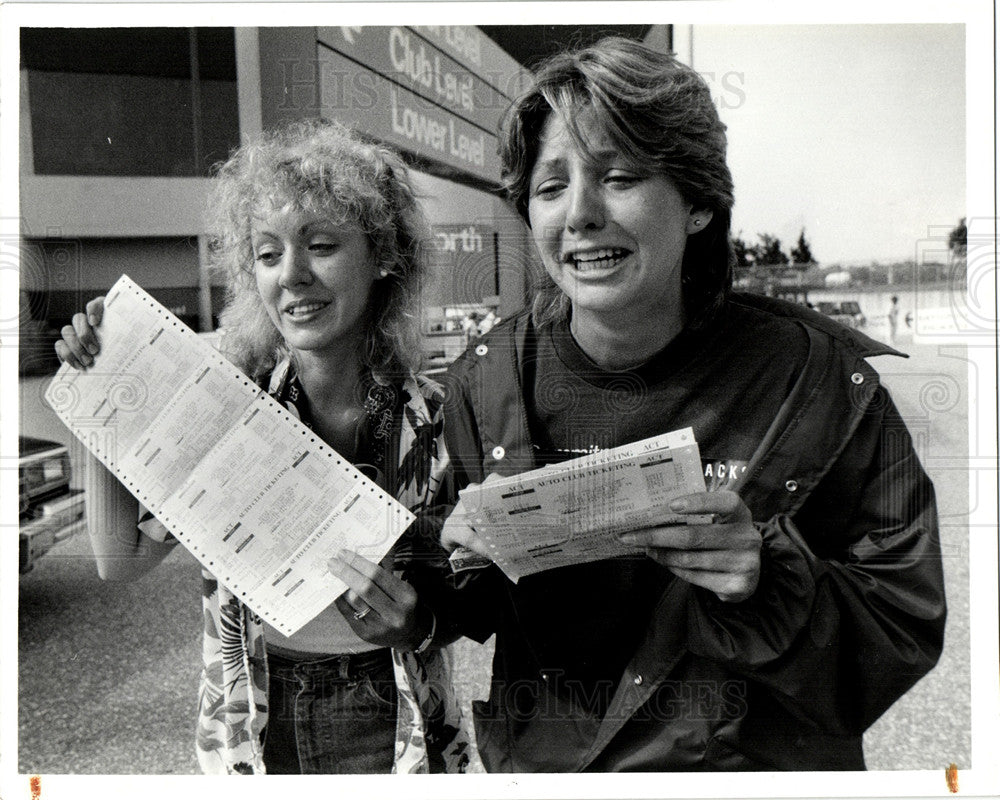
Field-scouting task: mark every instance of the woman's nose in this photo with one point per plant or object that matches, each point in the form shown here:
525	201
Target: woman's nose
586	207
294	268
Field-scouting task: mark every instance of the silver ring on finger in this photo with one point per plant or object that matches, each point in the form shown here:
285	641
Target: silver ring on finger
360	615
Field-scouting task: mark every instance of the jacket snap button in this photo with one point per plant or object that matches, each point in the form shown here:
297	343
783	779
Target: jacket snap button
637	680
498	453
857	377
482	350
792	486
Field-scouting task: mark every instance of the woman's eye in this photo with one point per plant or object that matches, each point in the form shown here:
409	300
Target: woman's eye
548	188
268	257
322	248
622	179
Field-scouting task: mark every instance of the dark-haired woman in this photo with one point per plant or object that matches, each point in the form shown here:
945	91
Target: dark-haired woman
772	637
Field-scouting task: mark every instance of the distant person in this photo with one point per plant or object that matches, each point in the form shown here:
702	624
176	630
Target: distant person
771	638
470	326
486	324
318	234
893	318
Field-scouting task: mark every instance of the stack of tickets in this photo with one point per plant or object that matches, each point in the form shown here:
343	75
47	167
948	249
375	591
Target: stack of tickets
570	513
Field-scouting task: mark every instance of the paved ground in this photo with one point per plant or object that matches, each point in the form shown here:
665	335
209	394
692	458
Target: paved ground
929	727
108	673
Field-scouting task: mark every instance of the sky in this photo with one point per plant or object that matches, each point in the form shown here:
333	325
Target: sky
854	132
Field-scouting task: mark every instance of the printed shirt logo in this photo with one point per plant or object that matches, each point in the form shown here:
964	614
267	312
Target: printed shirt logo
719	473
723	473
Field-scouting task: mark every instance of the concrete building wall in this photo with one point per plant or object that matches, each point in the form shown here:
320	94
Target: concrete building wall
103	208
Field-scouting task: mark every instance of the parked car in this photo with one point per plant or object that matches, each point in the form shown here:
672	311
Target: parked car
847	312
852	310
50	511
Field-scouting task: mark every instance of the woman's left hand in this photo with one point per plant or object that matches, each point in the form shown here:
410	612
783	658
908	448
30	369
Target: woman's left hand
379	606
722	556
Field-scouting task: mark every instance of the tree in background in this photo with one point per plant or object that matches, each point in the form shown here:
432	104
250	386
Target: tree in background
801	253
745	256
958	240
769	251
958	248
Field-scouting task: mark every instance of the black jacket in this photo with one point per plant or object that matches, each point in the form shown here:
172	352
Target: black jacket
848	615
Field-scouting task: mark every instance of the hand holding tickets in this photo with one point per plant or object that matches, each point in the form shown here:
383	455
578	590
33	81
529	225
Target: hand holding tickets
255	495
722	555
568	513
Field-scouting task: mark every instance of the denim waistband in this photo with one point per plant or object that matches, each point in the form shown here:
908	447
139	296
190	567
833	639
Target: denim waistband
347	666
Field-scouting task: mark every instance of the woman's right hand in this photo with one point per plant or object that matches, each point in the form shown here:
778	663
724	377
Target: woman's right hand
458	530
79	343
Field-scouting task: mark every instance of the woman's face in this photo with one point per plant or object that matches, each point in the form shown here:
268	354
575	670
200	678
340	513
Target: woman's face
314	277
611	236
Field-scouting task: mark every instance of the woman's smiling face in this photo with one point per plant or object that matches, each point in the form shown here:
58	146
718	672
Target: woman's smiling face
612	236
315	278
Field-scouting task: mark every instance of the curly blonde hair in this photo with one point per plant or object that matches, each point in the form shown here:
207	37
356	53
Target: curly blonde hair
318	166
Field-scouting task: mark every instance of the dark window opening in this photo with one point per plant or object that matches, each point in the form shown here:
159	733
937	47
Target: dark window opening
130	101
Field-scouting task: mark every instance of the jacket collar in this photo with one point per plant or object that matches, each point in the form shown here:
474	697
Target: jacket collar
858	342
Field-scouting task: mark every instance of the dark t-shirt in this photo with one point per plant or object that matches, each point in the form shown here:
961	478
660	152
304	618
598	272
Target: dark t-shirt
727	382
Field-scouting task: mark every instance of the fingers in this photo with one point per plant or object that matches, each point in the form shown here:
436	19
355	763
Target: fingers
79	343
724	559
372	586
95	311
457	531
65	355
729	517
732	562
379	607
723	556
726	586
727	506
353	609
361	618
86	334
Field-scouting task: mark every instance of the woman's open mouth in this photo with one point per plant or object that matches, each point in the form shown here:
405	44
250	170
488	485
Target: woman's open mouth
300	311
604	259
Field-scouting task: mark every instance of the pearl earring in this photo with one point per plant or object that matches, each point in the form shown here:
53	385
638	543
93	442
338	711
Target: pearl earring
383	273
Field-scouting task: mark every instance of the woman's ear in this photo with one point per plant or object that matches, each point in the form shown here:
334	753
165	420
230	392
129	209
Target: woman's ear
698	220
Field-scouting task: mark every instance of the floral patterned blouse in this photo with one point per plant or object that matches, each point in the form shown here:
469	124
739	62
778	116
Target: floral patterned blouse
233	693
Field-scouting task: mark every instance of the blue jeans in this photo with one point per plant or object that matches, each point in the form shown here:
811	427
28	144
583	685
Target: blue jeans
335	715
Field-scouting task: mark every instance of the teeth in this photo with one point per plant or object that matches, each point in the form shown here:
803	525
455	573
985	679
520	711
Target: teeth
304	308
596	255
604	258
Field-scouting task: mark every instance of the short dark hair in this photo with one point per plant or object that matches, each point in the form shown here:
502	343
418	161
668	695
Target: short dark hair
657	111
